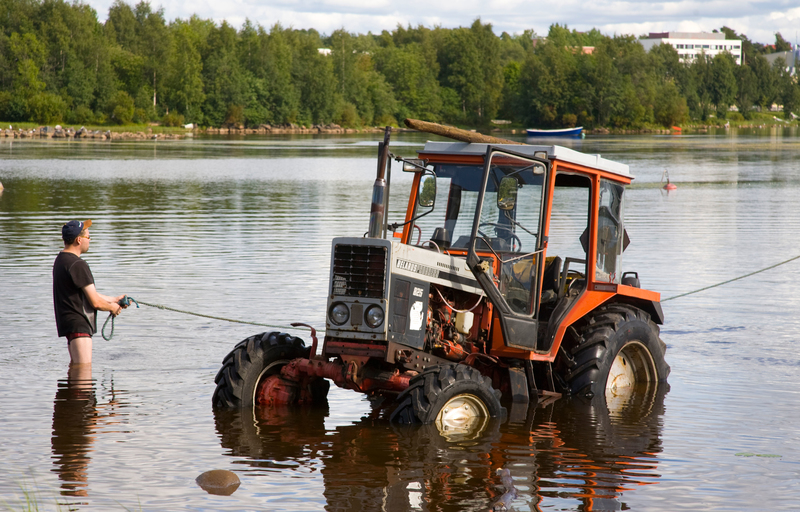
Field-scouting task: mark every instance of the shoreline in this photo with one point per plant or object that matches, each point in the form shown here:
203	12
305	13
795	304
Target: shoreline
58	132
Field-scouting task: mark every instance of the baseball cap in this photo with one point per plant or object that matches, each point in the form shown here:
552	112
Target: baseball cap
72	229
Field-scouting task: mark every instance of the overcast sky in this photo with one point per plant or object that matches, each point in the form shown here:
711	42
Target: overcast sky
759	20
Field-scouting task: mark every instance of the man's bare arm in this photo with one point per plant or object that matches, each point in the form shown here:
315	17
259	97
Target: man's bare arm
102	302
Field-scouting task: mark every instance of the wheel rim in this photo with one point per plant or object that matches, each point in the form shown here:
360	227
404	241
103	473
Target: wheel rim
633	368
266	372
461	414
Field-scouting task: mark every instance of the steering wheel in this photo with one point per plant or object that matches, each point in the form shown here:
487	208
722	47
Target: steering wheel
514	238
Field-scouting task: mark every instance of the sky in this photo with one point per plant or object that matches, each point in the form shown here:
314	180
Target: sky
759	20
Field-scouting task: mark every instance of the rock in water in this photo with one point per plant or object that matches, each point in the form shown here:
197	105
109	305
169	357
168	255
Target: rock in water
218	481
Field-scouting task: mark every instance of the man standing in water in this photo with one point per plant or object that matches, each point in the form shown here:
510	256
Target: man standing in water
75	298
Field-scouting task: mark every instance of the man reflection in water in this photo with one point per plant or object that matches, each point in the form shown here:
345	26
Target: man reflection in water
75	298
74	421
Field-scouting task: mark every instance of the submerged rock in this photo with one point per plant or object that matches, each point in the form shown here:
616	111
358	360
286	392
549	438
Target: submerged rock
218	481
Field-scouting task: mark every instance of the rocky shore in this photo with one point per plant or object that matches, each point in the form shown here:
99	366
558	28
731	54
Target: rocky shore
59	132
266	129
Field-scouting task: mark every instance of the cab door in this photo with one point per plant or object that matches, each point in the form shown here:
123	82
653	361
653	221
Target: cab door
508	224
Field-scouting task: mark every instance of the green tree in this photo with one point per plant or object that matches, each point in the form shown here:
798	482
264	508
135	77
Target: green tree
184	82
154	45
225	82
781	44
413	81
313	75
788	89
670	107
723	83
747	90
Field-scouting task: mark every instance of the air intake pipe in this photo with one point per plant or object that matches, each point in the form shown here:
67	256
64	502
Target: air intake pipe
377	210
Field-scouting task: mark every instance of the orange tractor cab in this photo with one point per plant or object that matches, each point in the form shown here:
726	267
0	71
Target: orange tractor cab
503	283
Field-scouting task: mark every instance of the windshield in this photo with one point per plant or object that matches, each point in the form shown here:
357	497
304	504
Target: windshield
457	189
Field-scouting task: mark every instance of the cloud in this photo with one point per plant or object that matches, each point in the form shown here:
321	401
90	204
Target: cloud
757	19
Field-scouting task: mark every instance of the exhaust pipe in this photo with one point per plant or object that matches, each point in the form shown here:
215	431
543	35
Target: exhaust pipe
377	210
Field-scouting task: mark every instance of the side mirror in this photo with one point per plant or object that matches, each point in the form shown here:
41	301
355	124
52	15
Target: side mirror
426	196
507	194
414	165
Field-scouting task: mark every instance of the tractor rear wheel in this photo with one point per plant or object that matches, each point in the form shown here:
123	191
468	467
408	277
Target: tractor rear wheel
452	395
618	354
252	361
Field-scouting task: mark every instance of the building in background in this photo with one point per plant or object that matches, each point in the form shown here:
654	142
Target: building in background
691	44
790	58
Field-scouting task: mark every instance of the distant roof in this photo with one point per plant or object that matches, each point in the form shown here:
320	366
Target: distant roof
553	152
787	56
688	35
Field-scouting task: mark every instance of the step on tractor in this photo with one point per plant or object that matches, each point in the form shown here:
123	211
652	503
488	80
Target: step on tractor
502	284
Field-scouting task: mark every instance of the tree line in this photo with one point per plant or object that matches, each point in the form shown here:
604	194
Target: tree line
59	63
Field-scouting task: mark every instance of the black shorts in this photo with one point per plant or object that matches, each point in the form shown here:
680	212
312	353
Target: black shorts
71	336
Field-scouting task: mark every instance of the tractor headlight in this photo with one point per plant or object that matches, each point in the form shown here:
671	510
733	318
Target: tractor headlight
374	316
339	313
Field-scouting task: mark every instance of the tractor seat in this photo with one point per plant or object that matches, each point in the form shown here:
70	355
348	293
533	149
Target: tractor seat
550	279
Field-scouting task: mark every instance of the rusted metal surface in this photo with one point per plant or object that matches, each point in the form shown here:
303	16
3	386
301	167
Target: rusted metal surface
349	375
275	390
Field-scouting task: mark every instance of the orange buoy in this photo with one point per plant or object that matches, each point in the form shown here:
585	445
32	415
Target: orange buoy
668	186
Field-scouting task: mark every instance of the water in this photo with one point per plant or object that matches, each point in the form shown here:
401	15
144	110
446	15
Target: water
241	228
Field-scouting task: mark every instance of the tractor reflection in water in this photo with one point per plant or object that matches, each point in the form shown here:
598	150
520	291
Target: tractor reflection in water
571	449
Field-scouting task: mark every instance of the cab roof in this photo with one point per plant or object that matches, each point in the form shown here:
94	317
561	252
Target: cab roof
553	153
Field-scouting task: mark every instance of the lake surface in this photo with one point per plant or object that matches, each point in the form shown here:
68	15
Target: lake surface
241	228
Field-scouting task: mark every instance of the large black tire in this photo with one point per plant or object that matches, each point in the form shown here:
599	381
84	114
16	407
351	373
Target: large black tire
249	362
613	331
429	392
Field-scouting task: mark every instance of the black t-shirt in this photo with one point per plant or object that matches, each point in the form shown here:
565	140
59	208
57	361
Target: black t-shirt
74	312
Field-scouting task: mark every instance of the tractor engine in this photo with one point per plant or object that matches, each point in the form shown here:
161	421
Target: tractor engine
453	332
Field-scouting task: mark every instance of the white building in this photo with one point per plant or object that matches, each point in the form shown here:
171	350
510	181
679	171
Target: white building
691	44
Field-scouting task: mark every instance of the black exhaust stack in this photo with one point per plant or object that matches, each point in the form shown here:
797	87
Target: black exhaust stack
377	211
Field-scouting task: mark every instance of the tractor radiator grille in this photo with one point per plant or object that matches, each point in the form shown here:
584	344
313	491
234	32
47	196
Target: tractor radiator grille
359	271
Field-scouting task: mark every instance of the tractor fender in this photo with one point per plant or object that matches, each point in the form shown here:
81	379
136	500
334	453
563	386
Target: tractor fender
651	307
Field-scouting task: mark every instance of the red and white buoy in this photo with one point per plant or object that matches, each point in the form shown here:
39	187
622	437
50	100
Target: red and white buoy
668	186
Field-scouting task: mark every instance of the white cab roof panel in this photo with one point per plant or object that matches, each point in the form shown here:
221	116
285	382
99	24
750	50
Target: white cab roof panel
553	153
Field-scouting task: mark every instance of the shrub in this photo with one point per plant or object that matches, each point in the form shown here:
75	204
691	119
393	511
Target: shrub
386	120
234	116
140	115
348	116
122	108
47	108
81	115
173	119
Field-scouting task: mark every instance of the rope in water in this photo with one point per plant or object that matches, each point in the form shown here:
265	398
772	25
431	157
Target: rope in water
160	306
284	327
732	280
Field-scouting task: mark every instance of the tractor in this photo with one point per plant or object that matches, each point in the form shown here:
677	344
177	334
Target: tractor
502	284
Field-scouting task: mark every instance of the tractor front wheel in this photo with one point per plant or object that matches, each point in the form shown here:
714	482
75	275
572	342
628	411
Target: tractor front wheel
258	360
452	395
618	354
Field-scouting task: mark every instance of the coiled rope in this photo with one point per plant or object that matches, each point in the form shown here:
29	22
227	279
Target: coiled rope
732	280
